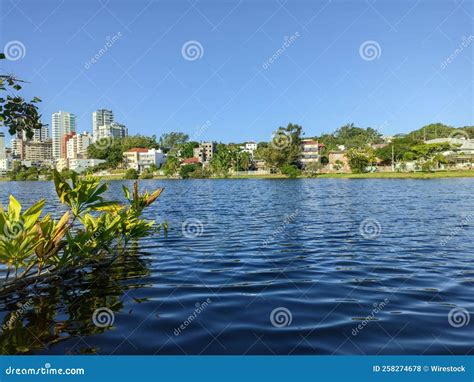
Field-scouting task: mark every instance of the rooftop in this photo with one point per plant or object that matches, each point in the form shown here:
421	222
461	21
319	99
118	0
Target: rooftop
137	150
191	160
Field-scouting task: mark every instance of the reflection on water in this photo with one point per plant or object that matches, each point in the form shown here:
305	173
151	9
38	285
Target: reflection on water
317	266
42	316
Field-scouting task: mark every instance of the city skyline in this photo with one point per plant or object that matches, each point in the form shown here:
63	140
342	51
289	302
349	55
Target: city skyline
269	69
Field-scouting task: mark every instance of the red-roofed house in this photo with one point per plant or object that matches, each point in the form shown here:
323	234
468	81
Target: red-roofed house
190	161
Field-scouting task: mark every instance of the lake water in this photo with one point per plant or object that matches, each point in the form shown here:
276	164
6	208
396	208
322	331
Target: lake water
316	266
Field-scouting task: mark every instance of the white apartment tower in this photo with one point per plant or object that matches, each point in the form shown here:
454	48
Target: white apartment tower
3	154
101	117
63	123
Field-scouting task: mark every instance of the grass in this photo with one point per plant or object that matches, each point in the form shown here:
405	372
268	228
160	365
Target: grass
404	175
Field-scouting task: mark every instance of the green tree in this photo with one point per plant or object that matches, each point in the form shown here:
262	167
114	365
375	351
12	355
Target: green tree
360	159
225	158
401	146
131	173
186	150
284	149
290	170
431	131
244	161
171	166
187	169
111	150
16	114
171	140
147	174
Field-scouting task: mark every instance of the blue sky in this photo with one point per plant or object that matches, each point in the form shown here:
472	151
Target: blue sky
230	92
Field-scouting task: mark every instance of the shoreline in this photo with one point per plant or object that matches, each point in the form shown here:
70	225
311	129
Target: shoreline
370	175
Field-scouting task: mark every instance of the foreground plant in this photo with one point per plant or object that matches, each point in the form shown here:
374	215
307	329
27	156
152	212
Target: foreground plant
92	230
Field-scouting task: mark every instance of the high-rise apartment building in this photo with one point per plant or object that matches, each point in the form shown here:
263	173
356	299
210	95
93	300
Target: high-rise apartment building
62	123
3	154
41	135
77	144
114	130
101	117
38	152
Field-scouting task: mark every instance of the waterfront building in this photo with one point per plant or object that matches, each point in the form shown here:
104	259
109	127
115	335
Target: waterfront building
249	147
62	123
465	146
310	151
39	152
462	152
141	158
77	144
190	161
5	166
101	117
3	153
205	151
80	165
338	161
